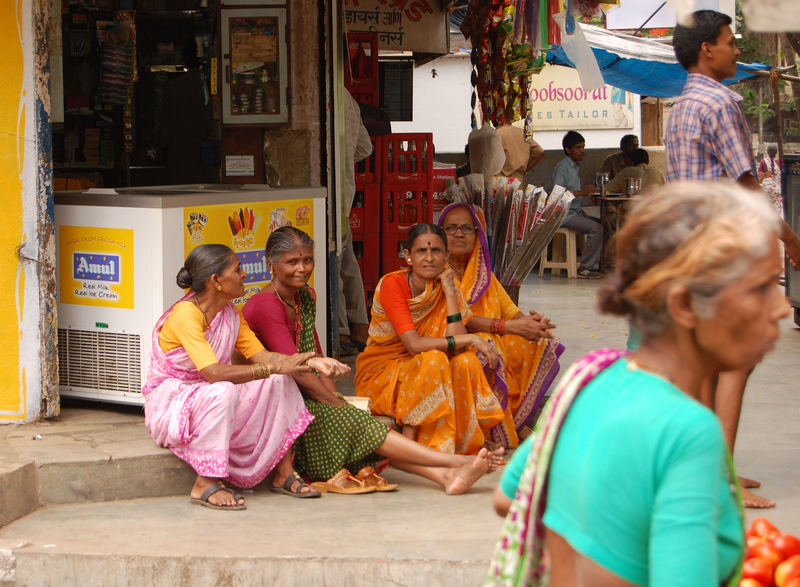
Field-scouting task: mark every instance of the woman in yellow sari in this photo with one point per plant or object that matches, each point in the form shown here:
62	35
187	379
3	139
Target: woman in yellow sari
419	367
528	352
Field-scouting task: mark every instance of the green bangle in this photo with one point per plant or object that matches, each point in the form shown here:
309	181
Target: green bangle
451	344
454	318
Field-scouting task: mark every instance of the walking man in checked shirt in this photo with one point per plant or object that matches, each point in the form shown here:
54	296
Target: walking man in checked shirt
707	138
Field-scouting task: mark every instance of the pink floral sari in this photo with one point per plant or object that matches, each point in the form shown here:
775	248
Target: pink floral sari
236	432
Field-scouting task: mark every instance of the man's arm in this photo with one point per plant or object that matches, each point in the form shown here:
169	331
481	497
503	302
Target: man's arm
790	239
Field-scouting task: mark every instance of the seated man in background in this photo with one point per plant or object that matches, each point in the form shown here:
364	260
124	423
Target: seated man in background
566	174
615	163
650	176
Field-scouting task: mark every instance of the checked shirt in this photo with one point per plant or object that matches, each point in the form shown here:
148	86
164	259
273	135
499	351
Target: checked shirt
707	136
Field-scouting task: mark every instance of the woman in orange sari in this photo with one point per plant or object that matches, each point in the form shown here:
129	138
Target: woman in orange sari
528	352
419	366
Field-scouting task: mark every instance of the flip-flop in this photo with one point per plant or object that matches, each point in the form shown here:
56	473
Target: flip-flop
286	488
371	478
343	482
211	490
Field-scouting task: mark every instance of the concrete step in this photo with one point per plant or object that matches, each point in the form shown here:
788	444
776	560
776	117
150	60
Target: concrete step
87	454
415	536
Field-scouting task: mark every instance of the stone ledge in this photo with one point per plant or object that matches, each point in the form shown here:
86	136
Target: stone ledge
18	488
36	568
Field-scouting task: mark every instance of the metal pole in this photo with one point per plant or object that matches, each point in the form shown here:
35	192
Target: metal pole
649	18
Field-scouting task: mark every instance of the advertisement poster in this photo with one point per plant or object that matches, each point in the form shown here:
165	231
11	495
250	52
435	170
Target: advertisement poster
245	228
404	25
558	102
96	266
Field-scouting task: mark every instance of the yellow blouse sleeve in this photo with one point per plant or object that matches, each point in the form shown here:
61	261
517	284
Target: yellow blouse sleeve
247	342
185	327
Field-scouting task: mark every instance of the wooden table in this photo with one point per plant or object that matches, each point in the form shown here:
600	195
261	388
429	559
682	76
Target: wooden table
615	200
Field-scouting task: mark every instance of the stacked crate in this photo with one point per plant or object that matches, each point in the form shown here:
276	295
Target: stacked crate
365	217
394	191
361	76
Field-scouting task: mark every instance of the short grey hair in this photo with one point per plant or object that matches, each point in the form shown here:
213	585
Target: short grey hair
284	240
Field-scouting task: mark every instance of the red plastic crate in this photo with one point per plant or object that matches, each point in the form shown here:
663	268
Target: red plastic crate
392	245
367	251
365	214
366	97
407	157
361	68
369	170
404	205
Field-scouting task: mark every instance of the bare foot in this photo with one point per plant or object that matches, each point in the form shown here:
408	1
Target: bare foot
460	479
749	483
751	500
496	459
220	498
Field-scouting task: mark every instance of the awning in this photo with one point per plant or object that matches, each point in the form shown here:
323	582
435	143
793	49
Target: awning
642	66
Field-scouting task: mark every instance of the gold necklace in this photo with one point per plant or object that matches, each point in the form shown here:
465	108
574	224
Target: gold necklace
196	303
280	297
412	286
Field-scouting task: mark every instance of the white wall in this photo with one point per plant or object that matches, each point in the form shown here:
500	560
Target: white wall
442	106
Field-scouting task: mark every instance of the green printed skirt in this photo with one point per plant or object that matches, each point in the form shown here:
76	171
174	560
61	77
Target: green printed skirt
339	437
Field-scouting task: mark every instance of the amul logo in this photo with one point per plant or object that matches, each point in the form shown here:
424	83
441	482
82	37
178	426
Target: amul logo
95	267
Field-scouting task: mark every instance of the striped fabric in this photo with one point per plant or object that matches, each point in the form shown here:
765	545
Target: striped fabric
707	136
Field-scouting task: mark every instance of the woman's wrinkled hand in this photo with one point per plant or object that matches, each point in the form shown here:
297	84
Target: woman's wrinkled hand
329	367
532	327
487	349
448	280
290	364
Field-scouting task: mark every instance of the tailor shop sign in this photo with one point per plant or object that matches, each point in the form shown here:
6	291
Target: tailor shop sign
401	25
558	102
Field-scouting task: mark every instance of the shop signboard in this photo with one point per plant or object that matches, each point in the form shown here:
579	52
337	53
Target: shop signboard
402	25
245	228
96	266
558	102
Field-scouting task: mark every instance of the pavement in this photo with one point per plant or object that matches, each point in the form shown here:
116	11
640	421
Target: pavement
88	499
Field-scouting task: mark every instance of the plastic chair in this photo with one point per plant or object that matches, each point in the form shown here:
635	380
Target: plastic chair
564	255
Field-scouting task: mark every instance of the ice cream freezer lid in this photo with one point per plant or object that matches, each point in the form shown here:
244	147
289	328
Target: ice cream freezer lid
174	196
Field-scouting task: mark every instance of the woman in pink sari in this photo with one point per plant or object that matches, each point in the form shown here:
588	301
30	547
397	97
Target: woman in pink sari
231	422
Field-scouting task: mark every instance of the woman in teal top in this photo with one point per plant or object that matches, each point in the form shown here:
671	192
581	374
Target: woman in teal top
628	480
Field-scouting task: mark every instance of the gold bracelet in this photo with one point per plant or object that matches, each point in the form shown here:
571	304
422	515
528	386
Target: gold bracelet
261	370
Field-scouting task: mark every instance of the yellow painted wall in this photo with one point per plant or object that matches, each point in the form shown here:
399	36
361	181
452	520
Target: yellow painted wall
12	150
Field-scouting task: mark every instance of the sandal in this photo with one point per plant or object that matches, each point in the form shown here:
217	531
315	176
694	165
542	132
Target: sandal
211	490
371	478
286	488
343	482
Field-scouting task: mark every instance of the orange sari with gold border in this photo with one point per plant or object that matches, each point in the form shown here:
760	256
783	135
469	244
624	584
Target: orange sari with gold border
529	367
448	399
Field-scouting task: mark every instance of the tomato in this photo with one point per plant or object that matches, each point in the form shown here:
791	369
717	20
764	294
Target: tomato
763	527
758	569
787	570
793	583
765	550
787	545
751	583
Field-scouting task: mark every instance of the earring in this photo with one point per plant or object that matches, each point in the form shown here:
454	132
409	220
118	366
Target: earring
219	287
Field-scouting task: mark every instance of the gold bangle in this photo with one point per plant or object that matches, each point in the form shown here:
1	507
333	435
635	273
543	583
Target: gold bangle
261	370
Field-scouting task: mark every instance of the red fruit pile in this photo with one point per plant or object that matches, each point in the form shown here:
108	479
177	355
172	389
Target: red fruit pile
771	559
